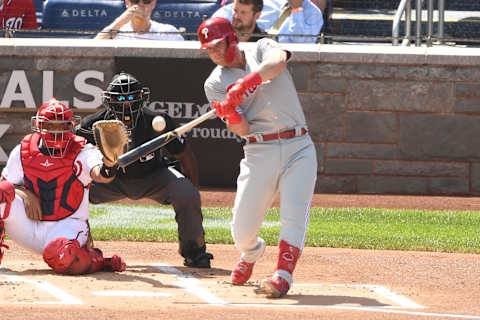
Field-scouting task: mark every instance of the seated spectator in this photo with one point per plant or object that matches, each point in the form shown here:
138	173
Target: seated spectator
136	23
288	19
244	19
16	15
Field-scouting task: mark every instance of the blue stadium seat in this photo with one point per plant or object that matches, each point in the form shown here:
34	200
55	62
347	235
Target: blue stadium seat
94	15
187	14
80	15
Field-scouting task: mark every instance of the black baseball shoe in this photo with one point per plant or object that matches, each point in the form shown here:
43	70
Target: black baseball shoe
201	260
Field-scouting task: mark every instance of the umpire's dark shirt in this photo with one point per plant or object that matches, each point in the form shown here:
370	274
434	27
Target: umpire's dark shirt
140	134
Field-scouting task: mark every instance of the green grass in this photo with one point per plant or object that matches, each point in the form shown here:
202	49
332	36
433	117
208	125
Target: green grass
423	230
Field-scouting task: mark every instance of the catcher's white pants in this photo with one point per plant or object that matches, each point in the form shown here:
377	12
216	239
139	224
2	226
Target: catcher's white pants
36	235
287	166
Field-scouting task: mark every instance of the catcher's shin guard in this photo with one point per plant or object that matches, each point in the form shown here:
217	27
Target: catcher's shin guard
7	195
2	235
67	257
282	279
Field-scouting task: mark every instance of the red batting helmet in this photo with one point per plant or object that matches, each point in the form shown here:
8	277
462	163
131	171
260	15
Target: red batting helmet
55	123
214	30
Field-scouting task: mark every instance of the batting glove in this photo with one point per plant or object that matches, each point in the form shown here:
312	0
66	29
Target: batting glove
227	111
235	93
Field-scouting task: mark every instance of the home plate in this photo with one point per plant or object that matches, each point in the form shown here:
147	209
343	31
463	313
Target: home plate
129	293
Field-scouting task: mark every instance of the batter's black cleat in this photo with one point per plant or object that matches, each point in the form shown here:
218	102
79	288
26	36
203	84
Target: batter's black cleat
202	260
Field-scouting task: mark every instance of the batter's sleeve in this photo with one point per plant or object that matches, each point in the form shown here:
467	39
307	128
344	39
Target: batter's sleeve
215	90
265	46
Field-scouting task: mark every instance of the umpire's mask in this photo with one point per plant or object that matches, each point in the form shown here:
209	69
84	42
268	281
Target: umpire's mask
125	97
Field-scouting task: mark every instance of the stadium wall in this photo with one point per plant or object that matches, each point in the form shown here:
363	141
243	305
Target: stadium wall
385	120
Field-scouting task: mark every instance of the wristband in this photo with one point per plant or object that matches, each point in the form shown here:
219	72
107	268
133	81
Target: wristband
296	9
108	172
252	79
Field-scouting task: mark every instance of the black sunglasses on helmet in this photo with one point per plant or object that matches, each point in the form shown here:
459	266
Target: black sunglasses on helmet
144	1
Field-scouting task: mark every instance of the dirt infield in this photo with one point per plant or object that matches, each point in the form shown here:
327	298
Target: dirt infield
329	283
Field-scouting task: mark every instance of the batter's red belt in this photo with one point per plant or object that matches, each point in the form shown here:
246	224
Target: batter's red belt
277	135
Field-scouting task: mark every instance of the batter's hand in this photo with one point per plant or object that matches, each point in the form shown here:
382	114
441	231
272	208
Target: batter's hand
226	110
31	203
235	93
222	108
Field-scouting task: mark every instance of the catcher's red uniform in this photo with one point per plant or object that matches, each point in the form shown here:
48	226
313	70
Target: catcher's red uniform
58	188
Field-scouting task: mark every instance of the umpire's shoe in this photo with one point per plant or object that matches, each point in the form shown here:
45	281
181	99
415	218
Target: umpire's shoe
201	260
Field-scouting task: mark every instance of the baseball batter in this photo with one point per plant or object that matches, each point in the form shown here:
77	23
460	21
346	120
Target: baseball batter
254	93
44	194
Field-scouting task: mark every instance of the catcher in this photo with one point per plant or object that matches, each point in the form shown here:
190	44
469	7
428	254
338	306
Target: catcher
44	191
152	176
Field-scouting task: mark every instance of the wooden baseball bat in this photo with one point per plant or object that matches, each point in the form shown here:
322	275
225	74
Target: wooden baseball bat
158	142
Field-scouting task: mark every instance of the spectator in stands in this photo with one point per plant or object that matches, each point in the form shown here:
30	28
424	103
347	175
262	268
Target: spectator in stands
245	14
287	18
16	15
136	23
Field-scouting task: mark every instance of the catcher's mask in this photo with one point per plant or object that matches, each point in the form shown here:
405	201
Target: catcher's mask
125	97
55	123
214	30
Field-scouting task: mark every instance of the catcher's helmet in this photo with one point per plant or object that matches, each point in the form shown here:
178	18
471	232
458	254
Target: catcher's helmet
214	30
125	97
55	123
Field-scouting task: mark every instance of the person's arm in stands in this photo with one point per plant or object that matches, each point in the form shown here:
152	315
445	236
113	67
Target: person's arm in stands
111	31
305	18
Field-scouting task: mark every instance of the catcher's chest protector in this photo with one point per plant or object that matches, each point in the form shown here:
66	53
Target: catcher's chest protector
53	180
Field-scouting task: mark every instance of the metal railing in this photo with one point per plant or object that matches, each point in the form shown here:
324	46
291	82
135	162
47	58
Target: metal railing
405	7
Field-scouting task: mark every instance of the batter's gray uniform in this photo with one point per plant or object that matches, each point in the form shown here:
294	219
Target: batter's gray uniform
285	165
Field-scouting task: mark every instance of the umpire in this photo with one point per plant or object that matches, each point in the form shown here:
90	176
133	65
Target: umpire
151	177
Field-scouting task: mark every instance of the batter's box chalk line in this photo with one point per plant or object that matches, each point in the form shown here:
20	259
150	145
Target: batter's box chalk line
62	296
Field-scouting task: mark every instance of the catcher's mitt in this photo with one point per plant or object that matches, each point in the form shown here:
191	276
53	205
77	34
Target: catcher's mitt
111	138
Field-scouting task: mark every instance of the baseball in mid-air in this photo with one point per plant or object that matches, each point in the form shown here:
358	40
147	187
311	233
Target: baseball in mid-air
158	123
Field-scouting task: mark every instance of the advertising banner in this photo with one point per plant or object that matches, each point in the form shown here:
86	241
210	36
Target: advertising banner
177	88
